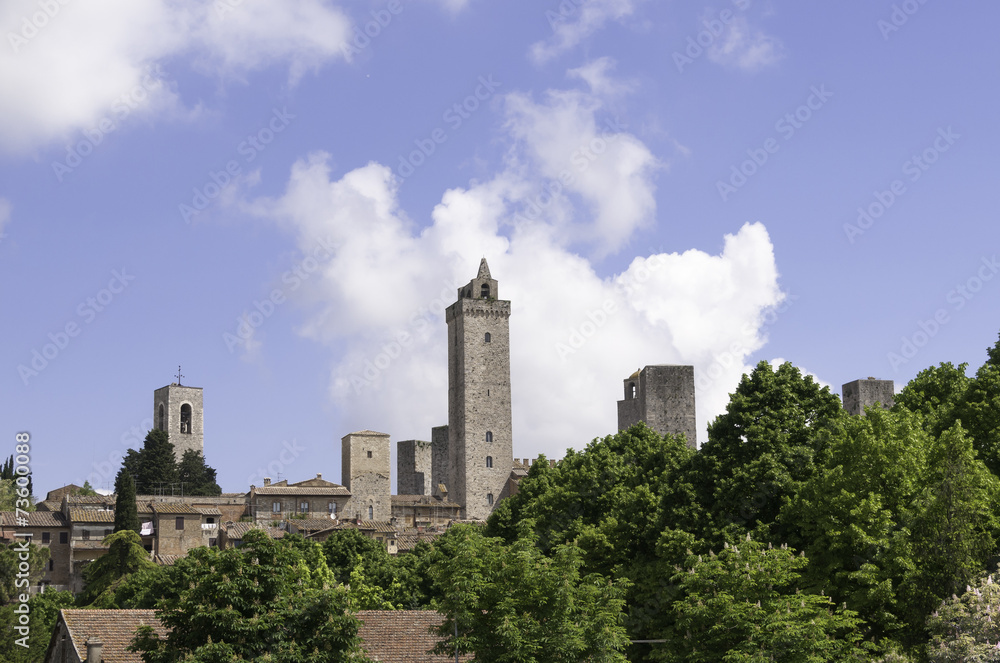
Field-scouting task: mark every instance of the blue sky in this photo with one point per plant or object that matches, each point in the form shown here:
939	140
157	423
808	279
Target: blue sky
282	197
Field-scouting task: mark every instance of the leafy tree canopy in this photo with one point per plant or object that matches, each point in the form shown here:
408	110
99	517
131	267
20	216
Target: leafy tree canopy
512	603
260	602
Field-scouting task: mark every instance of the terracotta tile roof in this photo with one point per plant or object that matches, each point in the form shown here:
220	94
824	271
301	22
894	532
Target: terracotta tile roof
312	524
209	510
91	516
49	505
89	499
390	636
173	507
166	560
238	530
35	519
367	525
401	636
302	490
115	628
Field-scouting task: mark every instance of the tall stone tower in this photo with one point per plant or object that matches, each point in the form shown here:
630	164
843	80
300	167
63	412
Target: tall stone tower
663	397
413	467
179	411
863	393
480	450
364	466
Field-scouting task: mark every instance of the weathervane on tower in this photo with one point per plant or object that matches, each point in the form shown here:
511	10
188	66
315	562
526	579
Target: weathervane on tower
179	375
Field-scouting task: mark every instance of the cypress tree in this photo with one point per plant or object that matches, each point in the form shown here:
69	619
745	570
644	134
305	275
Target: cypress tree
157	465
126	514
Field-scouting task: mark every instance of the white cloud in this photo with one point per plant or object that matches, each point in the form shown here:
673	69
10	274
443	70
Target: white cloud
570	152
596	74
744	47
70	71
572	26
378	303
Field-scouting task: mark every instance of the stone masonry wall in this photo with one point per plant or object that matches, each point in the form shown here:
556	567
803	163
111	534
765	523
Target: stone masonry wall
479	402
366	466
860	394
413	467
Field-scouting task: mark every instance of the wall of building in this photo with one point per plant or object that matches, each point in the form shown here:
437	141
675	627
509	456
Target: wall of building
413	467
479	398
172	397
859	394
366	463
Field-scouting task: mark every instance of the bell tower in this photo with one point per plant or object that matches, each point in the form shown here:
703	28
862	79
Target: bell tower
178	410
480	449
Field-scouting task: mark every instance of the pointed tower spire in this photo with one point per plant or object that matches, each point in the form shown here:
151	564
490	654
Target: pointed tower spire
484	270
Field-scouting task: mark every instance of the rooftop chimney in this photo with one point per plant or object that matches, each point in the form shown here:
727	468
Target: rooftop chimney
267	481
94	650
319	475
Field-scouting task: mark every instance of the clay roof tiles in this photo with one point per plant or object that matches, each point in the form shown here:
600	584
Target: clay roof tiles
115	628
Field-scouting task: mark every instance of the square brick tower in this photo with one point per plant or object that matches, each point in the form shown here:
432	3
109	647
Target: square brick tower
863	393
480	449
178	410
663	397
364	467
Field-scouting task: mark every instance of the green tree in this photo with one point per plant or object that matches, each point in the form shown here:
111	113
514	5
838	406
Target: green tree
44	609
87	490
196	476
513	604
955	526
964	628
156	470
126	511
852	517
743	605
101	577
761	449
11	555
261	602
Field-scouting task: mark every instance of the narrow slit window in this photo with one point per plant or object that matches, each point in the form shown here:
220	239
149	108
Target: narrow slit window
489	461
489	499
489	339
489	436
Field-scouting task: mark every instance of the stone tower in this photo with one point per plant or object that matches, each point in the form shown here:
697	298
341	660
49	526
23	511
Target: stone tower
413	467
364	466
480	450
863	393
663	397
178	410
